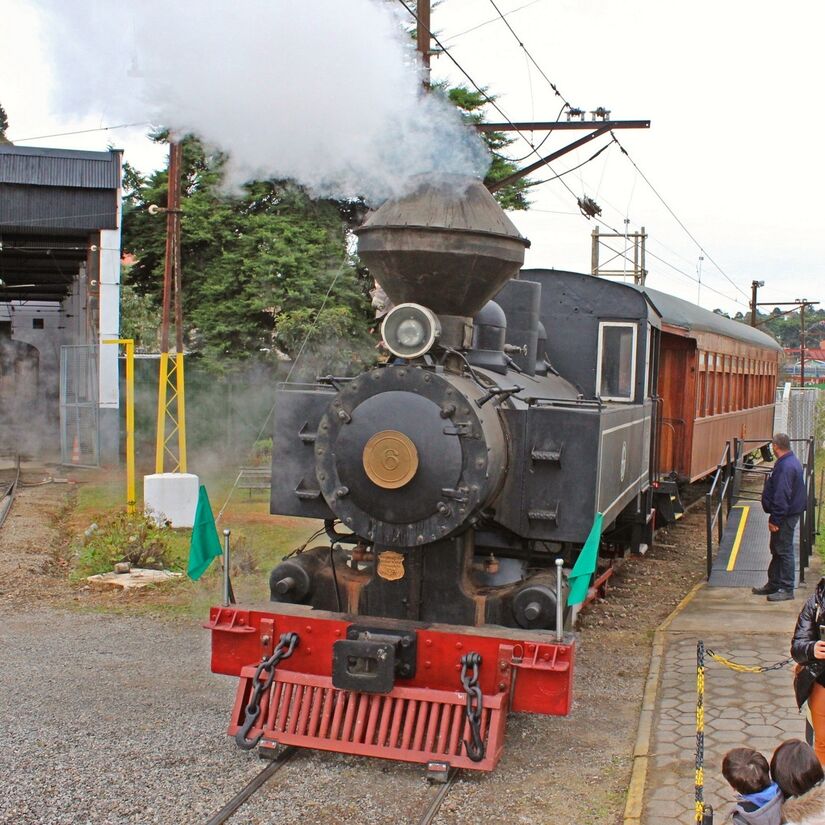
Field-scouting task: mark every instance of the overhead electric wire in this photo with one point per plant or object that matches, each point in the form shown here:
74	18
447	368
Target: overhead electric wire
677	219
487	22
555	89
81	131
484	94
530	56
564	183
578	166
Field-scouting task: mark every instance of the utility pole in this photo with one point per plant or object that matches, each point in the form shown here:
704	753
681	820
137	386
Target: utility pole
754	287
803	303
422	37
171	424
600	123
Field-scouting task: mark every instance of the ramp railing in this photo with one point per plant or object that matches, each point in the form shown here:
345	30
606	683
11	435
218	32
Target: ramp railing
718	501
805	450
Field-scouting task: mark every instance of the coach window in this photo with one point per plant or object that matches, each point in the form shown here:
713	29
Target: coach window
616	365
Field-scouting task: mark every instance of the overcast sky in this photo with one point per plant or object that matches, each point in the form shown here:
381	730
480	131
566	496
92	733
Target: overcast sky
733	91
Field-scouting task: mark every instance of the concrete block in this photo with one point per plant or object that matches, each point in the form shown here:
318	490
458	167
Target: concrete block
171	497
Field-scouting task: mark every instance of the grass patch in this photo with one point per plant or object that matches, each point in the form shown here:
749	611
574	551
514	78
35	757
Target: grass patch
258	540
118	536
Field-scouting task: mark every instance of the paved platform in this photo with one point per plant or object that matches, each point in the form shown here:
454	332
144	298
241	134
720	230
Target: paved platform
740	708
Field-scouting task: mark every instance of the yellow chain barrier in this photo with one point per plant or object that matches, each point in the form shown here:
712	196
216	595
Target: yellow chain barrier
704	813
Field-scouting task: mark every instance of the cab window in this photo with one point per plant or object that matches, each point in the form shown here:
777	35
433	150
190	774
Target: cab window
616	367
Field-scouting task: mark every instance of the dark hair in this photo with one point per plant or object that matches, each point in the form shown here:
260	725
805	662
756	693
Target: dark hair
746	770
795	767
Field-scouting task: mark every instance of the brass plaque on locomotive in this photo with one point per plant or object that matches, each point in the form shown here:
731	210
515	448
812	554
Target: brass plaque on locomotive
390	459
391	565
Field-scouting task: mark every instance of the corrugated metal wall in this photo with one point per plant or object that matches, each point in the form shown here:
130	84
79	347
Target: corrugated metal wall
38	208
59	167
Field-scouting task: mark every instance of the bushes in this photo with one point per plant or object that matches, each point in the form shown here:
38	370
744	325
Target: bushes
120	536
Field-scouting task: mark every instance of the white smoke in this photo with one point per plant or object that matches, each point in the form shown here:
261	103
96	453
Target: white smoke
327	92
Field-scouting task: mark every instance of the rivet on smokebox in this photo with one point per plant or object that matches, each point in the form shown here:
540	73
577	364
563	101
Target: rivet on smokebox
428	664
458	645
123	567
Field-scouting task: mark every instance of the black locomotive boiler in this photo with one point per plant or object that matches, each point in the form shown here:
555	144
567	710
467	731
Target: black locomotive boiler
515	410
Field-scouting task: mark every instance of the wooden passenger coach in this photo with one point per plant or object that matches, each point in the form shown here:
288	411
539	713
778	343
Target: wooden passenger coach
717	381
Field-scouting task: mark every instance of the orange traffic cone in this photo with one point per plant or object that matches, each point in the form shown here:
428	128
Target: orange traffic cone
76	451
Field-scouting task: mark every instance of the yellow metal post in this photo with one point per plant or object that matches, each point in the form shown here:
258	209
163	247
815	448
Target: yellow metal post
160	443
181	412
131	495
171	416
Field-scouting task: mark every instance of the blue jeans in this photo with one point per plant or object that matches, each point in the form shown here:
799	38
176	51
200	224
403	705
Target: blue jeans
781	570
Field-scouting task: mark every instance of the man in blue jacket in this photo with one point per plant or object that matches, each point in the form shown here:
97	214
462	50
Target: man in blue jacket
784	499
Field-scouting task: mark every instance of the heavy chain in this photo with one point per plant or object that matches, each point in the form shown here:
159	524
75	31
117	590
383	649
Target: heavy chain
699	780
739	668
283	650
470	663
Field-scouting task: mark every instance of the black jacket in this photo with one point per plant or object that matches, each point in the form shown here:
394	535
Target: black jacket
784	493
805	635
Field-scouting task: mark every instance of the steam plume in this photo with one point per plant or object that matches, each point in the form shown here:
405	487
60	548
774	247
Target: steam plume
323	91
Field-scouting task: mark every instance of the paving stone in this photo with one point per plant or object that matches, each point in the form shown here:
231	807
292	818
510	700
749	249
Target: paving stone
726	724
668	793
762	730
665	811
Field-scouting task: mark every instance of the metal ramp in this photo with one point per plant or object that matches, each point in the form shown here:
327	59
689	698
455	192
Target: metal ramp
744	552
738	539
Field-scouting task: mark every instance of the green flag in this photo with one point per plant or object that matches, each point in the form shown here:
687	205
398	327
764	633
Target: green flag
585	565
205	544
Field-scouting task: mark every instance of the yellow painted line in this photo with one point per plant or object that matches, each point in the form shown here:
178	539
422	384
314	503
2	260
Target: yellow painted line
739	533
634	804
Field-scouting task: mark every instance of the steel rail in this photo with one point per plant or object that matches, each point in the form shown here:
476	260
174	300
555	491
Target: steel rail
438	799
7	498
255	784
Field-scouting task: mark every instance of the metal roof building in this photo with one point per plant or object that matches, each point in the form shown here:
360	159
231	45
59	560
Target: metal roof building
60	215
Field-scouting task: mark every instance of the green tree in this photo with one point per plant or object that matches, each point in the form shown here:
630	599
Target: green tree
4	124
138	316
471	104
258	265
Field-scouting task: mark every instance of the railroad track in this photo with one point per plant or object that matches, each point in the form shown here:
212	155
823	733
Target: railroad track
8	490
259	780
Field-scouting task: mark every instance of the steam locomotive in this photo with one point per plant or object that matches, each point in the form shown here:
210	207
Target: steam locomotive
457	484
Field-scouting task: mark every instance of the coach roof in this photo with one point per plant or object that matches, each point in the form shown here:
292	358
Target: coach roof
680	313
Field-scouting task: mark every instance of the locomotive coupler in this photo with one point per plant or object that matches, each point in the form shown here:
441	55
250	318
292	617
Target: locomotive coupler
369	660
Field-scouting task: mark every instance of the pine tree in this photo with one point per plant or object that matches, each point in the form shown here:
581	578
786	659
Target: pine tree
4	124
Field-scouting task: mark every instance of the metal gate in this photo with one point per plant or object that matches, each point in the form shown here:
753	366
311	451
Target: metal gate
79	434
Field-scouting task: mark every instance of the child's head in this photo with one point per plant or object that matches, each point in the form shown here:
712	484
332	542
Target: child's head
746	770
795	767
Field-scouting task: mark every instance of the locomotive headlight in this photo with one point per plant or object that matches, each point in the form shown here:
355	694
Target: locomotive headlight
410	330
